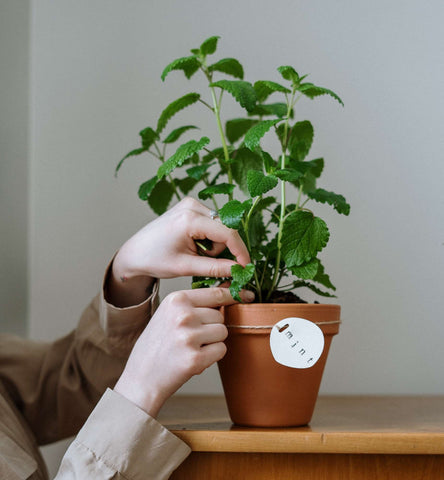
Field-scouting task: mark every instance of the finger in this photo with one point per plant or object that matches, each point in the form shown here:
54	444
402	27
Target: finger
212	333
213	353
210	297
207	266
209	316
205	227
216	250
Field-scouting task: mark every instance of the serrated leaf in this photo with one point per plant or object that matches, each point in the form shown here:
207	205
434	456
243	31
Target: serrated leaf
186	184
184	152
209	46
242	91
300	139
148	137
230	66
269	162
160	197
189	65
289	73
222	188
245	160
198	171
242	275
287	174
237	127
235	289
312	91
322	278
338	202
265	88
303	237
175	107
254	135
177	133
302	283
146	188
275	109
258	183
231	213
133	153
307	270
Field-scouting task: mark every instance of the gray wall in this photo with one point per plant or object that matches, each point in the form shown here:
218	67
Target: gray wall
14	127
95	84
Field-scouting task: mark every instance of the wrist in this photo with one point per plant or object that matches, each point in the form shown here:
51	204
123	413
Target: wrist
149	401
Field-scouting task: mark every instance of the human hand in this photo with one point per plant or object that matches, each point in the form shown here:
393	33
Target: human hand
166	248
184	337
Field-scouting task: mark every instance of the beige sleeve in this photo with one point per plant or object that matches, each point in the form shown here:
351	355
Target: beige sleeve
121	441
56	385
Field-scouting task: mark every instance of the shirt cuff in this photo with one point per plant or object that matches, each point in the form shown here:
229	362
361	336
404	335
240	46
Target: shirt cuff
125	324
127	439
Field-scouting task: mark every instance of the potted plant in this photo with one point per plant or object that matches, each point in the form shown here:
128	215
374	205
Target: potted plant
248	187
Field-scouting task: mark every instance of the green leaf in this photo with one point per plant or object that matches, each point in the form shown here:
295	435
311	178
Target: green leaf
258	183
287	174
254	135
205	283
243	92
236	128
312	91
322	278
199	171
230	66
276	109
289	73
269	162
146	188
133	153
307	270
186	184
177	133
241	276
300	140
338	202
148	136
302	283
189	66
303	236
231	213
209	46
265	88
245	160
222	188
184	152
161	196
175	107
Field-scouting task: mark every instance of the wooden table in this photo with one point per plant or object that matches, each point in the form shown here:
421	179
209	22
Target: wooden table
349	438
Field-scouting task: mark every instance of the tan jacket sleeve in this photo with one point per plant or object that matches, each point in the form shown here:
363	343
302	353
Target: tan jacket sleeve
56	385
120	441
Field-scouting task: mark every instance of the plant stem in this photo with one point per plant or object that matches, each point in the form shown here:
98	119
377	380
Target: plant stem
247	236
216	110
276	276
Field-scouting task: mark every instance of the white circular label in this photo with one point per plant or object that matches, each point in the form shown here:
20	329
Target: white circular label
296	342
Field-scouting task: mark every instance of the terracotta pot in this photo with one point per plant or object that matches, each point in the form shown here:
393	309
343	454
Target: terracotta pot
259	391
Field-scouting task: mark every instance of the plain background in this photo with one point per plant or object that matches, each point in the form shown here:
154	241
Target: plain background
80	79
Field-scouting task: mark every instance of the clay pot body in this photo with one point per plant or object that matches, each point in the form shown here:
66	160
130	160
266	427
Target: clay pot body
260	391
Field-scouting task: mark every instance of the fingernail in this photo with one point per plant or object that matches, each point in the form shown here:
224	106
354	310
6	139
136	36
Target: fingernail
248	295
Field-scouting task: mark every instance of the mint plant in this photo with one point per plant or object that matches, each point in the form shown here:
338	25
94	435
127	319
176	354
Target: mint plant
239	176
